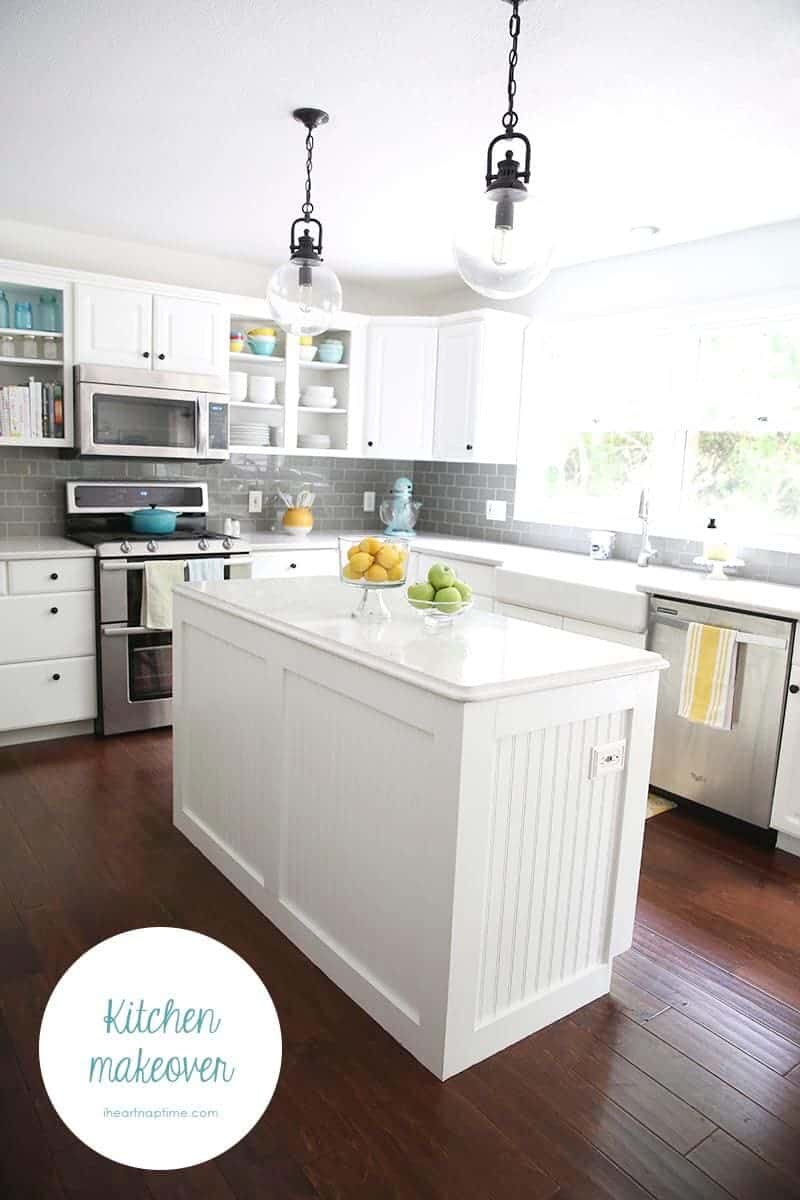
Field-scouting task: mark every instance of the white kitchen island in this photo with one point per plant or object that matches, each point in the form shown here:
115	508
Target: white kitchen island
418	810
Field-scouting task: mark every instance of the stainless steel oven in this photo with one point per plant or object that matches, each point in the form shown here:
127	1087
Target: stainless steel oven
150	414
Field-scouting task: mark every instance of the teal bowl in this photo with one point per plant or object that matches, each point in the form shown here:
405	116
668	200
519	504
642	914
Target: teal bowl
262	345
331	352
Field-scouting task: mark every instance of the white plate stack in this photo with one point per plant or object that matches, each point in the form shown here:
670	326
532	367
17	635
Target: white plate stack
246	432
314	441
318	396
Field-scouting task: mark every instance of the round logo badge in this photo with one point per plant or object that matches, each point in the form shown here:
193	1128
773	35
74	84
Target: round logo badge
160	1048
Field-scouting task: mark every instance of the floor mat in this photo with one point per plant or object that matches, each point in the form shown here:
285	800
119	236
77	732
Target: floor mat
657	804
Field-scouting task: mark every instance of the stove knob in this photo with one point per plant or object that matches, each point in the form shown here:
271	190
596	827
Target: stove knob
152	546
226	543
202	544
124	547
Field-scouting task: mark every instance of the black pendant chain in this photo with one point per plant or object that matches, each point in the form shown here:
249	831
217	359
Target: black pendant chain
308	207
510	117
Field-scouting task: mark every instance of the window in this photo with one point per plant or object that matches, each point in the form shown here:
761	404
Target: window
706	416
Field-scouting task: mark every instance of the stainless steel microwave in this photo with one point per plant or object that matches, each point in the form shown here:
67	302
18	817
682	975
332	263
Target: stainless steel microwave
150	414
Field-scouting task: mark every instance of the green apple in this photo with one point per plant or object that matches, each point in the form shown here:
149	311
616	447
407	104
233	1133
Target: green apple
420	594
448	599
441	576
463	589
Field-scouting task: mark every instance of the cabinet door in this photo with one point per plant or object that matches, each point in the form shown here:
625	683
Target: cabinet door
113	326
401	389
189	335
623	637
786	805
288	564
458	387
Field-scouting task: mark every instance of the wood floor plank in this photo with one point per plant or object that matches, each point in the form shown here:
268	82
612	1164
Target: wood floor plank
759	1083
742	1173
710	977
654	1106
722	1104
763	1044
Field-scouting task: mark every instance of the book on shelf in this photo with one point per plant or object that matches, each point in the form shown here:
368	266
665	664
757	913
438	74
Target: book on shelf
33	410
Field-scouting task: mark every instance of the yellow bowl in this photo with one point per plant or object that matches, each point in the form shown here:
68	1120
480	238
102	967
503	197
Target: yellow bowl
264	331
298	518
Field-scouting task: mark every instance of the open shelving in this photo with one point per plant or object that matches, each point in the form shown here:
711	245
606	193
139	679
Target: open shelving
341	424
16	370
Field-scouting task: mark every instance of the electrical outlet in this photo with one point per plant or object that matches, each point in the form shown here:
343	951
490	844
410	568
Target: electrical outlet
495	510
369	502
255	502
608	759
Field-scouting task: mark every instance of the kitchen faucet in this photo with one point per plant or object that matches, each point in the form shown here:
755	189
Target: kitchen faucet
646	551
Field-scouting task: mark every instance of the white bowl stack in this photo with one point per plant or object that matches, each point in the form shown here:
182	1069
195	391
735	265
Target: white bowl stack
314	441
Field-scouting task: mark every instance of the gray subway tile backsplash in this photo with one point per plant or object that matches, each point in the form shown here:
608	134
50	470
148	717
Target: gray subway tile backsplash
453	499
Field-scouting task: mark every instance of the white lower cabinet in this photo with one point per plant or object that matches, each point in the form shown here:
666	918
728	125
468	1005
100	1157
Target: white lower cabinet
529	614
607	633
284	564
786	804
47	693
47	643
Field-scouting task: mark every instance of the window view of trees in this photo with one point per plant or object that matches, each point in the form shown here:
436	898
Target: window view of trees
707	417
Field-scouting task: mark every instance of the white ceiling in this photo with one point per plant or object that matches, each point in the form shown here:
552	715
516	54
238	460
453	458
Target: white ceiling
169	122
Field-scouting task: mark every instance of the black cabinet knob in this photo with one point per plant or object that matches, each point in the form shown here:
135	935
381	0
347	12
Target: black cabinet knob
293	565
162	357
469	447
56	677
54	575
54	610
370	443
145	354
794	689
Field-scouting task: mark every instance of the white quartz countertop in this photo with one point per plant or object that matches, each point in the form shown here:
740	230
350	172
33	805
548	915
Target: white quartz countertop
480	656
748	595
42	547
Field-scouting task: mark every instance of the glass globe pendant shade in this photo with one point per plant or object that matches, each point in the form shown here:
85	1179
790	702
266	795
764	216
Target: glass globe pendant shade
304	295
502	248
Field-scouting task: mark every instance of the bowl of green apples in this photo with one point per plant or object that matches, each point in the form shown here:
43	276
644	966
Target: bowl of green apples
441	597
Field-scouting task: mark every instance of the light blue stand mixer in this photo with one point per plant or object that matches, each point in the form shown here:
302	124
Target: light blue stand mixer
398	510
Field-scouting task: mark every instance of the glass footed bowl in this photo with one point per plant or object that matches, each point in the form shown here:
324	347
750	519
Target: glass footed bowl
437	614
373	563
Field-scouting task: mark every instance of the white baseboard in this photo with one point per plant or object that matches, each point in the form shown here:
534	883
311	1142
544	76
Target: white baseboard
45	733
788	843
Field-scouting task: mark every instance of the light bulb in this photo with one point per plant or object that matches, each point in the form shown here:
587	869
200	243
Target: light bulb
502	250
304	297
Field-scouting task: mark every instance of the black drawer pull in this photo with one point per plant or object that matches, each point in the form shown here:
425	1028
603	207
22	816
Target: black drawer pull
54	575
56	677
145	354
370	443
162	357
293	565
54	610
469	447
795	688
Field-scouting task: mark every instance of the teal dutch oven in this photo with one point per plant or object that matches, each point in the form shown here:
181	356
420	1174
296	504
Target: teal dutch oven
153	520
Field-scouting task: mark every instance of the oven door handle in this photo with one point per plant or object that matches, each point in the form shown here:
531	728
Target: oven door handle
231	560
129	630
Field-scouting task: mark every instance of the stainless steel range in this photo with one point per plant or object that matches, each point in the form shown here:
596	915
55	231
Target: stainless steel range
134	661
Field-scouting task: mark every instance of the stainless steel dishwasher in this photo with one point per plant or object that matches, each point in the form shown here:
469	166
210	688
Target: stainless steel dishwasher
732	772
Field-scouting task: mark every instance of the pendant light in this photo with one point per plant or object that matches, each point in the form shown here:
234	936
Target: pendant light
304	294
502	248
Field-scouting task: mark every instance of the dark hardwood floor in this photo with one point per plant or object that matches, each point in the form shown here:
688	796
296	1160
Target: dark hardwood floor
684	1084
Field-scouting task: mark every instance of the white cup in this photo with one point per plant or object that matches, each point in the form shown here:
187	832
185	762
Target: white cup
238	385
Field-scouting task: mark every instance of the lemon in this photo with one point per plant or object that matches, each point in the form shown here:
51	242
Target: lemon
353	551
361	562
350	573
403	553
388	557
377	574
371	546
396	572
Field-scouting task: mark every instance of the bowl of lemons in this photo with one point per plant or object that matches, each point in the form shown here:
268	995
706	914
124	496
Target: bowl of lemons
441	597
373	564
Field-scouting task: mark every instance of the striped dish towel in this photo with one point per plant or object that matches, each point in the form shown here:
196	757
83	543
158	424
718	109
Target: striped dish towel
709	676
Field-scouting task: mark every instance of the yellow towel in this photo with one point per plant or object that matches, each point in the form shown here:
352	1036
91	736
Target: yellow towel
709	676
159	580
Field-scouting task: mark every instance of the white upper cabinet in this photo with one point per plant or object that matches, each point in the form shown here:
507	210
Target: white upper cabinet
121	327
478	387
189	335
401	389
113	326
